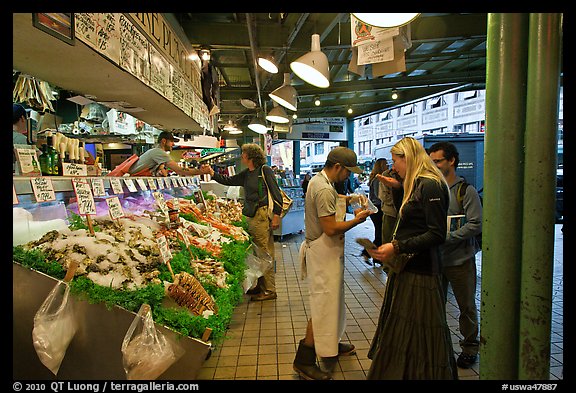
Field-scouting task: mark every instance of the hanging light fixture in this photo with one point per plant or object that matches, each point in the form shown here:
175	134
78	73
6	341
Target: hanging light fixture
386	20
317	100
350	111
394	94
257	125
205	54
286	95
277	115
235	131
313	66
267	62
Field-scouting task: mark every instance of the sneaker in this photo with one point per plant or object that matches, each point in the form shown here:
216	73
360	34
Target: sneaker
466	360
264	296
345	349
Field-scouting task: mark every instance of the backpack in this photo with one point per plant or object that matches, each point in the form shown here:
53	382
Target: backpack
460	197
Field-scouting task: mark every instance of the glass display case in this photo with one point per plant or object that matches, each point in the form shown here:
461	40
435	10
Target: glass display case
94	352
293	221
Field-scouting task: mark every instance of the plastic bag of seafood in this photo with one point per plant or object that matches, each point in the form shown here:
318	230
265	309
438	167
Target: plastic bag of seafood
54	327
146	352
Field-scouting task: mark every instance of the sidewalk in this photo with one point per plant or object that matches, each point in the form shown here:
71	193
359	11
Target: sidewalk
263	336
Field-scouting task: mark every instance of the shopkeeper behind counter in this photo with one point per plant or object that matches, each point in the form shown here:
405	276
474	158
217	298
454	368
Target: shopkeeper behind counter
149	163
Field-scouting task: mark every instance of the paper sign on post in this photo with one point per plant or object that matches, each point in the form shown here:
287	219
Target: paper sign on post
98	187
83	192
71	169
152	184
114	207
130	184
160	201
142	184
116	185
164	249
43	189
183	236
160	183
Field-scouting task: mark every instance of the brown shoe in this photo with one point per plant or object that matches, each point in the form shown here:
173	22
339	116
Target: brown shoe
264	296
345	349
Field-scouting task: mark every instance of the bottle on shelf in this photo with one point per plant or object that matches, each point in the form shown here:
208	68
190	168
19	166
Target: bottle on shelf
45	161
56	164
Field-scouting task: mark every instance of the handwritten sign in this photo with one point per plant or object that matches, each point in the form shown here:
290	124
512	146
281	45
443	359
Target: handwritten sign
175	204
183	236
160	201
98	187
114	207
142	184
376	52
160	183
83	192
72	169
174	181
85	27
134	50
152	184
164	249
130	184
108	36
43	189
116	185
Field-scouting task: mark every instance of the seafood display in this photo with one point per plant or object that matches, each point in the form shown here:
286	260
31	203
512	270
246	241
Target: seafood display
226	210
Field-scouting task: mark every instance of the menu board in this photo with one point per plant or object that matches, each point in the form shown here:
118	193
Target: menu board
85	27
108	36
188	99
159	72
134	50
177	83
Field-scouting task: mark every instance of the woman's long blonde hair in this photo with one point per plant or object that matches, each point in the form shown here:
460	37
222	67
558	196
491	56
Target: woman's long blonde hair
418	164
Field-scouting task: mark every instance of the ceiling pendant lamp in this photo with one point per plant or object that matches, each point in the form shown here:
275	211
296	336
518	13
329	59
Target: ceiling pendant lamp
277	115
386	20
235	131
258	126
286	95
267	63
313	66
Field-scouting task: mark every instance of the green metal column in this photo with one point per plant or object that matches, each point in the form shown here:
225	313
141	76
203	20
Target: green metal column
541	141
296	158
502	216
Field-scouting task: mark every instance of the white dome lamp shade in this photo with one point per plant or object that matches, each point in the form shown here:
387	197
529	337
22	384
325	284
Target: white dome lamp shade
313	67
267	63
386	19
258	126
286	95
277	115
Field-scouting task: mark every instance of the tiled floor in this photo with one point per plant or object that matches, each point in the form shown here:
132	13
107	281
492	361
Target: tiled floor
262	339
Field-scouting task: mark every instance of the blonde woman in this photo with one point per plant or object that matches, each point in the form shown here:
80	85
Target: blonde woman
412	340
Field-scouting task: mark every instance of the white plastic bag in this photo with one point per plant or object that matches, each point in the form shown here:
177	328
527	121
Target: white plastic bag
258	262
359	200
146	352
54	327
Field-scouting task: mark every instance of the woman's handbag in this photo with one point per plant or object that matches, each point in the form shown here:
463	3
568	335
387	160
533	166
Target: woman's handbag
398	262
286	200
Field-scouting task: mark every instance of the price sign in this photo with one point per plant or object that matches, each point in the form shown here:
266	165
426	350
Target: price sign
130	184
176	204
164	249
160	201
43	189
116	185
183	236
174	181
160	183
142	184
71	169
152	184
180	181
98	187
14	196
83	192
114	207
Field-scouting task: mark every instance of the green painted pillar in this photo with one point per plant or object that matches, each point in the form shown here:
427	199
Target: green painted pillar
541	141
502	214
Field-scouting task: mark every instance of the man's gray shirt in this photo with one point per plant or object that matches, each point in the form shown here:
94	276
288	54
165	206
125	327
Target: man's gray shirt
460	244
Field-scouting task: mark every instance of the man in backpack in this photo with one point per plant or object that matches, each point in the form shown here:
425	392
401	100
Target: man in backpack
458	252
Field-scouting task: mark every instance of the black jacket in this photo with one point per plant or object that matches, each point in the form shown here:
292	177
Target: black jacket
422	227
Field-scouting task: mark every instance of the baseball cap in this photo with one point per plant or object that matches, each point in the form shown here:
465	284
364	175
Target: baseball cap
17	112
167	135
345	157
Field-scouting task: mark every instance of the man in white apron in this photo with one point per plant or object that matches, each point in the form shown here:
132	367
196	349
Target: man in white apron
322	259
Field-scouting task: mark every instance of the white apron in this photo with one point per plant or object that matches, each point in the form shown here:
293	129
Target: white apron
323	263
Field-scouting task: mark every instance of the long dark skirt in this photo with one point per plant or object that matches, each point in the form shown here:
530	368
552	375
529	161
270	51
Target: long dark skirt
412	340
